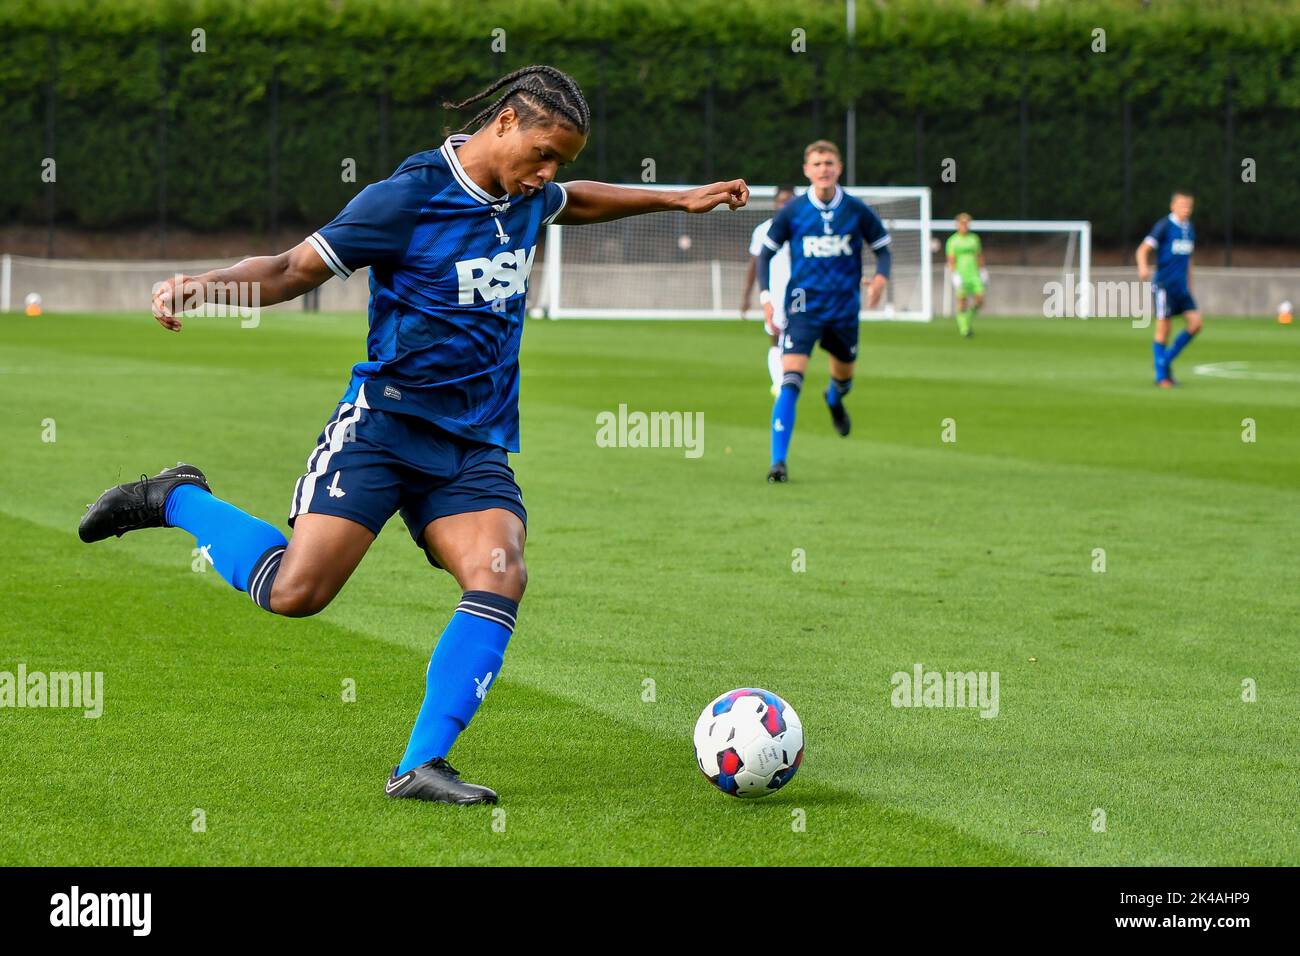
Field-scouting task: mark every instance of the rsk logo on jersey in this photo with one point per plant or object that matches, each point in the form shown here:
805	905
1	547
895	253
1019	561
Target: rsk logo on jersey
1182	247
819	247
500	277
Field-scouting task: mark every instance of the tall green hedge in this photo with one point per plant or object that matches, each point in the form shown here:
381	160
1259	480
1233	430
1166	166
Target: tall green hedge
254	130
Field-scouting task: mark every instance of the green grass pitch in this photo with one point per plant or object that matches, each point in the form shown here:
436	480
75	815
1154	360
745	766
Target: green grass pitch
1120	691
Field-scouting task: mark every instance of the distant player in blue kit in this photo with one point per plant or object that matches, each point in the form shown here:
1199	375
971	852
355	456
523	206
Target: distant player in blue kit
826	229
1174	240
426	422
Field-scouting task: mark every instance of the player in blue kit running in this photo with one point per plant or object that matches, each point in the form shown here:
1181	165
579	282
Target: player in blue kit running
426	422
1174	240
827	229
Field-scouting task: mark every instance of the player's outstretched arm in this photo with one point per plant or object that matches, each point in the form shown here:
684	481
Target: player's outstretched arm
600	202
278	279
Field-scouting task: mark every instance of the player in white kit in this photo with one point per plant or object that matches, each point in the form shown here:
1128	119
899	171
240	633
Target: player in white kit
780	277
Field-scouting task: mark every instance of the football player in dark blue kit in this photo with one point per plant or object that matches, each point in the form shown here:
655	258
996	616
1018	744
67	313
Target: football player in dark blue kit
827	229
426	422
1174	240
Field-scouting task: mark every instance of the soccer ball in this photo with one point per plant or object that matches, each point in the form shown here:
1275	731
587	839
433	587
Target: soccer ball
749	742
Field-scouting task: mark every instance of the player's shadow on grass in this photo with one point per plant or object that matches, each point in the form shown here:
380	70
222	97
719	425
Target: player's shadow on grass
802	798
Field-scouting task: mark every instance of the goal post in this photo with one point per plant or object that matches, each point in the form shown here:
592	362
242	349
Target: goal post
684	266
1026	256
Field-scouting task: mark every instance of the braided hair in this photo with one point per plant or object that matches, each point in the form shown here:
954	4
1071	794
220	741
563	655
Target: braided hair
534	92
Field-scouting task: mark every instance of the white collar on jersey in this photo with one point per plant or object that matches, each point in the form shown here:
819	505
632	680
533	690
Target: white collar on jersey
835	201
1180	223
448	150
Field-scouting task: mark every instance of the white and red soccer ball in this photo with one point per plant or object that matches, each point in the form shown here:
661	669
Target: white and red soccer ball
749	742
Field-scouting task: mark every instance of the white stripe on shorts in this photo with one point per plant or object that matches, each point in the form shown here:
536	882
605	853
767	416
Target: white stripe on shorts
335	435
314	454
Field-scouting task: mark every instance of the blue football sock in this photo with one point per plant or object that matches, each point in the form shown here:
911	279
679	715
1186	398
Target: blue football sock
244	550
838	388
783	414
465	661
1162	362
1180	343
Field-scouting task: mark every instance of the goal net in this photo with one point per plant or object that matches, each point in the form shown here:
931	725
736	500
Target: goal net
1036	266
683	266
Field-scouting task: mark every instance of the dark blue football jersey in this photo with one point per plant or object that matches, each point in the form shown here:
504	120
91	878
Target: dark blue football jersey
826	242
449	269
1174	242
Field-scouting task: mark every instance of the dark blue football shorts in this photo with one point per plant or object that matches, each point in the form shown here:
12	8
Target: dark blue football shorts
1172	300
828	319
369	464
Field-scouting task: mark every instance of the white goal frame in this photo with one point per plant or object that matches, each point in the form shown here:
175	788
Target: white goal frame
551	298
1079	238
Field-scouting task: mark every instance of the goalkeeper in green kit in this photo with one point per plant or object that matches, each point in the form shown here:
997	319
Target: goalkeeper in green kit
969	277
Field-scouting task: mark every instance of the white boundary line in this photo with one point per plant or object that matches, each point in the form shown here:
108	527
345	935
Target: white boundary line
1242	371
